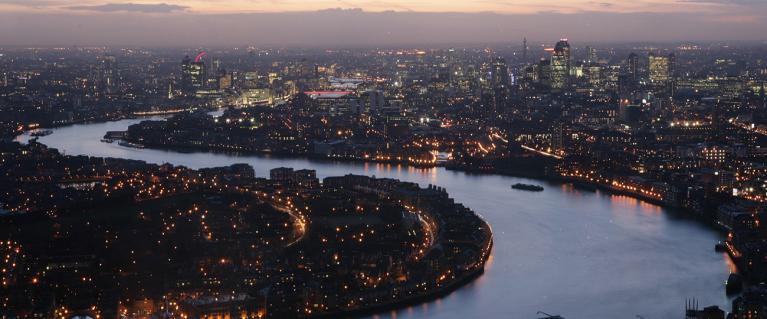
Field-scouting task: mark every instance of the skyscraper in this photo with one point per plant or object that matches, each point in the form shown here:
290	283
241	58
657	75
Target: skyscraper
499	81
591	55
658	69
499	74
763	92
108	68
193	73
672	73
633	68
198	74
544	71
560	65
217	66
672	66
186	73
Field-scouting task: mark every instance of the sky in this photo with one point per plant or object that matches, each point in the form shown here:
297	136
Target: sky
328	23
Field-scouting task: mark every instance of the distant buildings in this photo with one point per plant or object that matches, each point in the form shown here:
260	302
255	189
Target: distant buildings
632	64
109	73
591	55
658	69
499	82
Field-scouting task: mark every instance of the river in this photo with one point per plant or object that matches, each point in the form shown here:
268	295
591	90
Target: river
564	251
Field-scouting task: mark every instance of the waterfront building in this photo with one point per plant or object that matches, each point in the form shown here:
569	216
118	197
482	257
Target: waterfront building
303	178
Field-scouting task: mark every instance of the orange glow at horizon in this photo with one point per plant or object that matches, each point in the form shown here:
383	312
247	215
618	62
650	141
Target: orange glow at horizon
465	6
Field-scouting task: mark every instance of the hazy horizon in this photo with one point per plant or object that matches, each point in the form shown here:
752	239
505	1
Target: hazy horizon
278	23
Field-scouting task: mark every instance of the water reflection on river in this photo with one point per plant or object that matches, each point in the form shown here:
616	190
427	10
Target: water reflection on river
565	251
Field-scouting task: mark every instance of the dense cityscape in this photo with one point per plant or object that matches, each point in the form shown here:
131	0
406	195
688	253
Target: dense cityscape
220	242
677	125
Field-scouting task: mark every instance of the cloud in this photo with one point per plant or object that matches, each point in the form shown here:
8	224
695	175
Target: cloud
603	4
26	2
740	19
727	2
132	7
29	3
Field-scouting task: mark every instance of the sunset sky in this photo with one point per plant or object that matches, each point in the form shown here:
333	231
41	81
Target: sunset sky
497	6
223	22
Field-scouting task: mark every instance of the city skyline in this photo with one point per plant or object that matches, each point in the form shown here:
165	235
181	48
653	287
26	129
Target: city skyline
373	23
256	159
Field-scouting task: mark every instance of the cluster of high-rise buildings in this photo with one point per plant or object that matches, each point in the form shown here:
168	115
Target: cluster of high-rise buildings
559	71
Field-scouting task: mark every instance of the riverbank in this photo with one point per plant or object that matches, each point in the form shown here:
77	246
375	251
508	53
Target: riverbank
531	174
676	210
451	216
418	218
425	297
275	154
105	118
530	231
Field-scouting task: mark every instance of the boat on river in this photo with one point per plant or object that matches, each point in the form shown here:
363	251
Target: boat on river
527	187
40	133
129	144
548	316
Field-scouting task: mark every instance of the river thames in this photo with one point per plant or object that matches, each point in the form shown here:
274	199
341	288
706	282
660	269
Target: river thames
566	251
